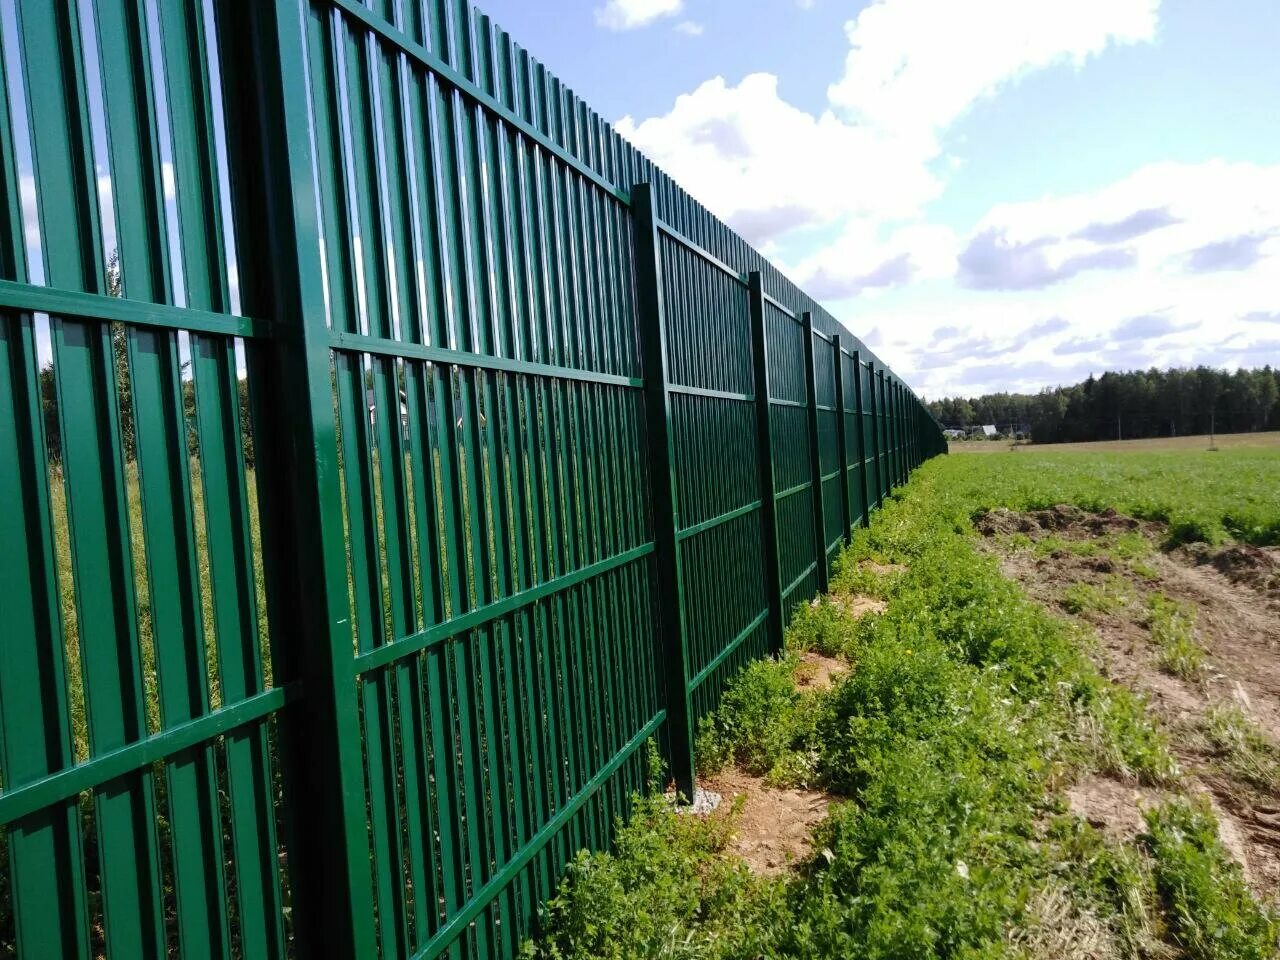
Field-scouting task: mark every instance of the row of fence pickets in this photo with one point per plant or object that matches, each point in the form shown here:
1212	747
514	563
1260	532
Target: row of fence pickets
534	456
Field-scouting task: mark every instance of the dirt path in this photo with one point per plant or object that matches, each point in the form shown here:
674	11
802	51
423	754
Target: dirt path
1094	567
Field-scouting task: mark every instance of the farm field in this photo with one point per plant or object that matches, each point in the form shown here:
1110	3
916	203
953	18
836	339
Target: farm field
1035	718
1197	494
1223	441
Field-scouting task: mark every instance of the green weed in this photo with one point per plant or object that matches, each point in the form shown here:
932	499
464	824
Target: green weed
823	627
1209	909
1113	734
1047	546
1242	746
1172	626
1106	880
1144	570
1111	595
870	574
1020	541
966	706
664	891
1127	546
764	724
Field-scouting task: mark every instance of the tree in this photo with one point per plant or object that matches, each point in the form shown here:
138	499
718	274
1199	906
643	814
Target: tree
1131	405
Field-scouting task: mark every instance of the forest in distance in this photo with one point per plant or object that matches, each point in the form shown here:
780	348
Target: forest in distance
1132	405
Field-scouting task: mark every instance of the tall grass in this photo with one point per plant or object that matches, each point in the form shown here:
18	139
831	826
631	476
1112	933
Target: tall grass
142	592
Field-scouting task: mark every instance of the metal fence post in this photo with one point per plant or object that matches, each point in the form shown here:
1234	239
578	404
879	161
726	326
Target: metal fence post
882	435
815	454
764	457
911	436
891	405
846	511
894	426
858	402
886	460
670	600
304	543
901	432
904	431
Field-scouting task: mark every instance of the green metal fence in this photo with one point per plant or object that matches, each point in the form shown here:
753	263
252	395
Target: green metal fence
390	452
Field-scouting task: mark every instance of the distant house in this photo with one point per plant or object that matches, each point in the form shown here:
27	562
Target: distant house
953	434
372	402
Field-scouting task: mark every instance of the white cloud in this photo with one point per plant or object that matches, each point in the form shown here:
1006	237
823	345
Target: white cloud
1201	203
1161	309
1173	264
769	168
30	210
690	28
916	66
857	262
630	14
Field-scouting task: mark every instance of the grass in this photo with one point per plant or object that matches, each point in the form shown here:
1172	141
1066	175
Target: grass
1210	497
1111	595
1192	444
1211	914
966	709
1172	625
1242	747
142	594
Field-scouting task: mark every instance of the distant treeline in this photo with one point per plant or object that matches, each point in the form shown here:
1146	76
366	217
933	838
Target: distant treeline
1131	405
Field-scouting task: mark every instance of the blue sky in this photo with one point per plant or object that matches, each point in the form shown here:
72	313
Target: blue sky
997	194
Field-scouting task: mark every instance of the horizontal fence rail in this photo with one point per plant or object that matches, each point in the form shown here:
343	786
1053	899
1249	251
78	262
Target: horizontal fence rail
399	454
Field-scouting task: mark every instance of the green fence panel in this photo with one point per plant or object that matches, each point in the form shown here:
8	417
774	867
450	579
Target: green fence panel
138	803
399	452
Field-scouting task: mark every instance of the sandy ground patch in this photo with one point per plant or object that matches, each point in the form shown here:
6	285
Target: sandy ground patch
882	569
774	825
1113	807
817	671
857	605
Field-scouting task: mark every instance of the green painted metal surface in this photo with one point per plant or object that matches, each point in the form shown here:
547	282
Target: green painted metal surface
398	453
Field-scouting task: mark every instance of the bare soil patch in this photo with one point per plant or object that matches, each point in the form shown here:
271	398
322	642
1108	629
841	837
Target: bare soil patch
1117	808
857	605
1233	593
817	671
882	569
1255	567
1113	807
774	824
1064	519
